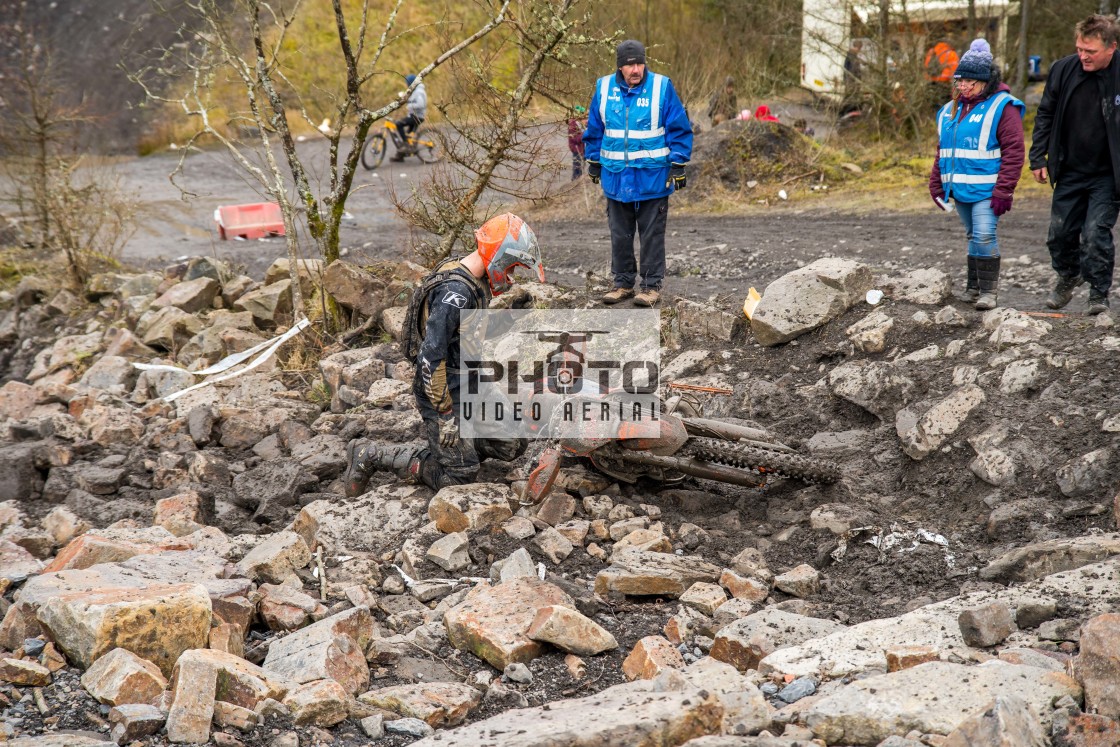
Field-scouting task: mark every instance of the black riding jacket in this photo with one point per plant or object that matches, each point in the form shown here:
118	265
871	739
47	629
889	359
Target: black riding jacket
436	383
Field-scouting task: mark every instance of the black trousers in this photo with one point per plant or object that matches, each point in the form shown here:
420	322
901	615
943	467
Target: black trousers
1082	215
441	466
407	125
649	218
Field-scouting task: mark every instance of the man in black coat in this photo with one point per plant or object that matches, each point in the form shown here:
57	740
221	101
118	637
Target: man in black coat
1077	147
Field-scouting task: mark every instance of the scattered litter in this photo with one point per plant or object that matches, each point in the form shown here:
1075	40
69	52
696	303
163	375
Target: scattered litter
902	539
343	558
268	346
540	571
782	194
409	582
874	296
300	138
752	301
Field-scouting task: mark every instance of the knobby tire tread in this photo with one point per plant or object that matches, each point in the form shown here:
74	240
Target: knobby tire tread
782	463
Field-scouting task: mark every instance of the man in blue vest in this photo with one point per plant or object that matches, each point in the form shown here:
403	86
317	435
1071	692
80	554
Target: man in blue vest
638	140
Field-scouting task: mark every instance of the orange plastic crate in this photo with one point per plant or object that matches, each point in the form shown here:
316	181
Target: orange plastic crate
253	221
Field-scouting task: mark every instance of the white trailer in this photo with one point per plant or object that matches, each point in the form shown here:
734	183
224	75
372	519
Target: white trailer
830	26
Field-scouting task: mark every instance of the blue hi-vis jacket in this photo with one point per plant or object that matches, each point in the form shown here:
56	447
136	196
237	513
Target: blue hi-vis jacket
636	133
969	153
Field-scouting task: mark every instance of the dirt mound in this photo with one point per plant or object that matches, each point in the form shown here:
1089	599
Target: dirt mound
745	156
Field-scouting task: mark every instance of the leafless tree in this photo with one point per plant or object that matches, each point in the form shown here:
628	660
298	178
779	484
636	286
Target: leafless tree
495	149
70	205
247	38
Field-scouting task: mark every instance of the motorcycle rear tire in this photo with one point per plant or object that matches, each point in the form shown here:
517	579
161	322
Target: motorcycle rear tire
766	461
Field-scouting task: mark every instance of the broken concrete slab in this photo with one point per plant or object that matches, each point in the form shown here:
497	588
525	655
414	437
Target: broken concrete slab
628	714
645	573
156	623
492	621
931	698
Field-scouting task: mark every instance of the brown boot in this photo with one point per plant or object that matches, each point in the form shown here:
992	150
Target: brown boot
618	295
647	297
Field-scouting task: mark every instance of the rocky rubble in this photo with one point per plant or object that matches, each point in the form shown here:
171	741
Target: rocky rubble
187	571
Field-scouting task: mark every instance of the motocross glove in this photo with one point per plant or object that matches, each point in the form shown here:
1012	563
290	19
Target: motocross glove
594	170
677	177
448	432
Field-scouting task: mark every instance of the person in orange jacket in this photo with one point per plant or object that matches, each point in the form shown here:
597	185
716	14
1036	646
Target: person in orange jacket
941	61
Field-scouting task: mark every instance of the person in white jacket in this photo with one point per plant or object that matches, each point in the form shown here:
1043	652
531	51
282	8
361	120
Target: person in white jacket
417	111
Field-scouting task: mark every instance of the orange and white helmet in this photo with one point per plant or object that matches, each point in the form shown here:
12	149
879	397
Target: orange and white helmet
504	242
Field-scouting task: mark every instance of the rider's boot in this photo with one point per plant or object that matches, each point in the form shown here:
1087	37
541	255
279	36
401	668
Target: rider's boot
363	459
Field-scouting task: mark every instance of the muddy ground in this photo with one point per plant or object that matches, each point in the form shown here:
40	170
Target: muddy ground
708	254
716	258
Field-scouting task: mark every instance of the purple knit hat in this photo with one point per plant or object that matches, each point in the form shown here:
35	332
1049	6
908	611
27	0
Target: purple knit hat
976	63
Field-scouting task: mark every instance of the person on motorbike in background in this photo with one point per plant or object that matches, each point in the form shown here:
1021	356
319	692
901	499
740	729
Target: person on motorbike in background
417	112
504	242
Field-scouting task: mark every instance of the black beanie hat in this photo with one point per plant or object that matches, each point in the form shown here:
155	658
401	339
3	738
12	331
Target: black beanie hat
630	52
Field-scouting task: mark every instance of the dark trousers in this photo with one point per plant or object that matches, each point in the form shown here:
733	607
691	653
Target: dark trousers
407	126
649	218
577	164
458	465
1082	215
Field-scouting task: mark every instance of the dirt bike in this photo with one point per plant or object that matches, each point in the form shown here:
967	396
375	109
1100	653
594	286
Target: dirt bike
687	446
419	143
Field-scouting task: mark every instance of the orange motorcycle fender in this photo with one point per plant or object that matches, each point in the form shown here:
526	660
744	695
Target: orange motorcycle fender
673	437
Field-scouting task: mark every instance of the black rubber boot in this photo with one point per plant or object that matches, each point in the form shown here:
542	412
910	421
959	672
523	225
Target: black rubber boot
363	460
972	289
987	277
1063	291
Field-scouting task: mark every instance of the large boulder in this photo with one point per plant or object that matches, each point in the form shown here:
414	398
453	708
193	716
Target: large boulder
629	714
933	698
928	432
921	286
192	296
806	298
156	623
646	573
329	649
168	328
1040	559
267	303
372	289
876	386
493	621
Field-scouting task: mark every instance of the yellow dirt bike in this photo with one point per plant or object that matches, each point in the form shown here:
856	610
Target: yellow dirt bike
419	143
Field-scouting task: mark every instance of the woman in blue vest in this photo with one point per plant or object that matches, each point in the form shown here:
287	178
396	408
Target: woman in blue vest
979	161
